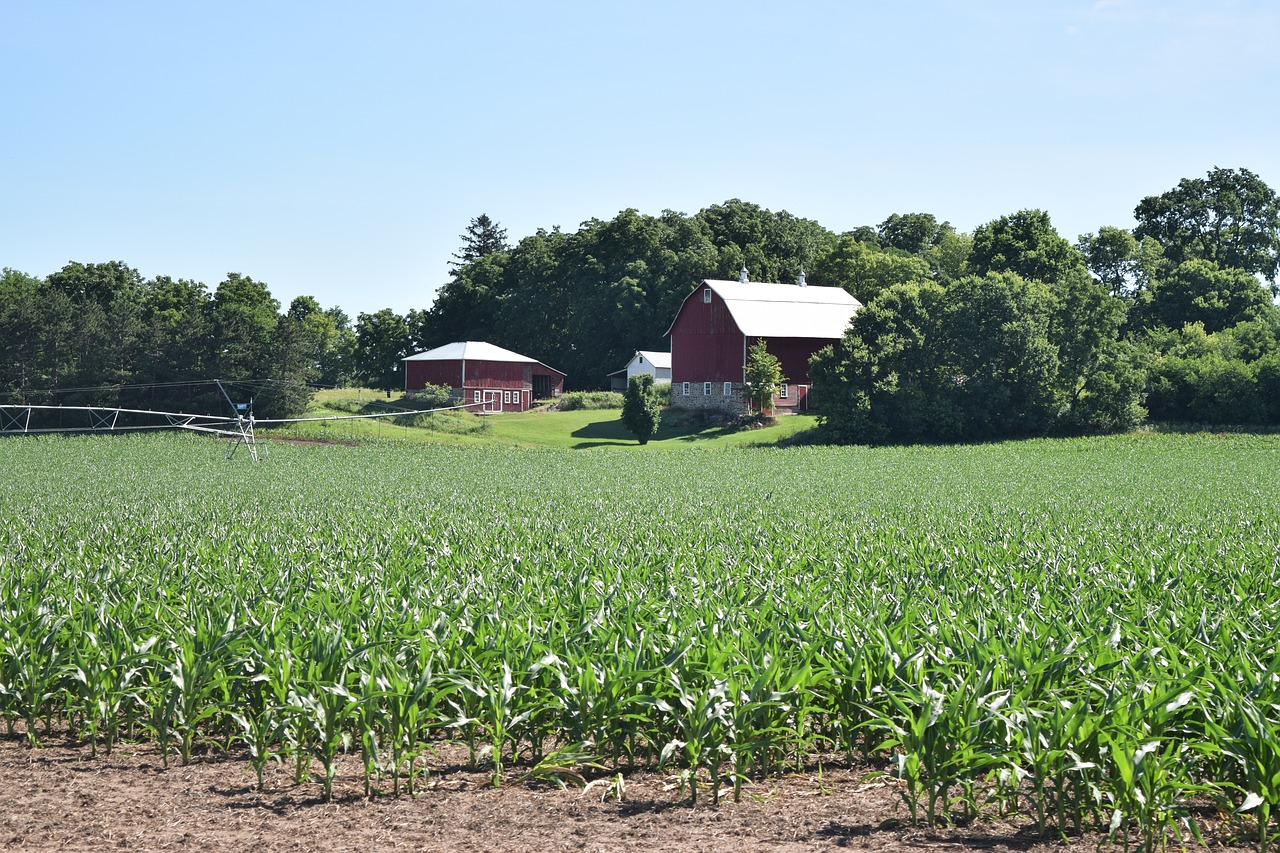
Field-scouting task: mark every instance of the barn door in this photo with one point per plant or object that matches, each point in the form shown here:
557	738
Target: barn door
493	401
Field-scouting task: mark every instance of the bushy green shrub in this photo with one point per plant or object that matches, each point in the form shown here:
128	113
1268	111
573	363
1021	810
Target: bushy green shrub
588	400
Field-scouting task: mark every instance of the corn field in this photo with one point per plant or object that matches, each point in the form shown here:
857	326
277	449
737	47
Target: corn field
1082	632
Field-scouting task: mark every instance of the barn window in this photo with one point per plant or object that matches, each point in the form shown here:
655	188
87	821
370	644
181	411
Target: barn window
506	396
476	398
782	391
706	389
684	389
728	389
706	294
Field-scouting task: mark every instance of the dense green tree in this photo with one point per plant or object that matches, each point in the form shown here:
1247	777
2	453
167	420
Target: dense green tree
1024	243
244	315
382	341
21	361
483	237
773	246
910	232
1005	365
763	376
177	347
100	283
948	256
888	379
865	270
628	276
987	357
1199	291
337	362
641	411
1112	256
465	308
1230	218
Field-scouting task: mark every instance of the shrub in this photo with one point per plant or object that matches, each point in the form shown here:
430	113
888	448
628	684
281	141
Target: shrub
641	412
585	400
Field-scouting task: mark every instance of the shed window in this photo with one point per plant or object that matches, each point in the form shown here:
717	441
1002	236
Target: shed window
706	389
506	396
706	294
728	389
476	398
684	389
782	391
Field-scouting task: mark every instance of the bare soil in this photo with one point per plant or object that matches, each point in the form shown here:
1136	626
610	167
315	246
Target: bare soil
61	798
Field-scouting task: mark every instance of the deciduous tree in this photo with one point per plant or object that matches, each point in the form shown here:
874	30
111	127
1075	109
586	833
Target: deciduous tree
641	412
1230	217
763	377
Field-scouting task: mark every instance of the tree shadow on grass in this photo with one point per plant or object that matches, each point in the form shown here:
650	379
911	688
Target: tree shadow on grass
614	434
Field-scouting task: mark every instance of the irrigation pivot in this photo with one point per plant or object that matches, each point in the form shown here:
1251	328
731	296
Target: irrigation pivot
239	429
243	426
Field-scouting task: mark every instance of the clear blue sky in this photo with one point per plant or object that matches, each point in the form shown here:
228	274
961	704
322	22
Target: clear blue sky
339	149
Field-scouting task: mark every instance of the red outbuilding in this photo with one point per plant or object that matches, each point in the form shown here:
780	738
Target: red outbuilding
720	320
490	378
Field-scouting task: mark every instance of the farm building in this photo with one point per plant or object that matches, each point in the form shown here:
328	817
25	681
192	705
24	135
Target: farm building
720	320
657	364
498	379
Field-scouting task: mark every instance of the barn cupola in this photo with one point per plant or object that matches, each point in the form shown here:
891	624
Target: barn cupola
742	274
800	280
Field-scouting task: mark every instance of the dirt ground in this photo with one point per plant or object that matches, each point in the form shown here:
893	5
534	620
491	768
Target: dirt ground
61	798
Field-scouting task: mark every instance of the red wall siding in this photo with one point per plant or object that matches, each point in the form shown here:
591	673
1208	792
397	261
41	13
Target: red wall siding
419	374
794	353
706	345
484	376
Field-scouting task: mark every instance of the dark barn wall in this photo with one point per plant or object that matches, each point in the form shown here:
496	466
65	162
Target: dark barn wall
421	373
706	345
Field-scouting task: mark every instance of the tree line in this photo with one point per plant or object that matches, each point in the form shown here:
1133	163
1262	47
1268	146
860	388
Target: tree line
1010	330
99	334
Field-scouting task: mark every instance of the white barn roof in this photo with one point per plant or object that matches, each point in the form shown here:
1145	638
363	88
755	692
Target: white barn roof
657	359
474	350
660	361
771	310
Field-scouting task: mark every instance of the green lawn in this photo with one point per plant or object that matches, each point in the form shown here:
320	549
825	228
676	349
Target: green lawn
578	430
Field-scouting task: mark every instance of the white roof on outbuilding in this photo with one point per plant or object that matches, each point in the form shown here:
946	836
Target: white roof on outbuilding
764	309
474	351
657	359
660	360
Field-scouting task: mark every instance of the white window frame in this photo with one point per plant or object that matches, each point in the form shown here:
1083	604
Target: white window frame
506	397
728	389
684	389
706	295
782	391
706	389
475	397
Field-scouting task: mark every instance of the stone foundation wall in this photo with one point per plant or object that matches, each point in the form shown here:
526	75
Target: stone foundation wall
732	404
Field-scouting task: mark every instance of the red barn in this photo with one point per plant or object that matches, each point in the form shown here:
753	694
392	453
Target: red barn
721	320
498	379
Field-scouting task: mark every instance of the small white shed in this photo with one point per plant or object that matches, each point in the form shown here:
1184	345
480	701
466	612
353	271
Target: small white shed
657	364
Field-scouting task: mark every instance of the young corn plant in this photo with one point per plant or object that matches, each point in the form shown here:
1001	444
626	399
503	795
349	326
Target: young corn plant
409	693
703	720
321	703
197	664
38	662
106	668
